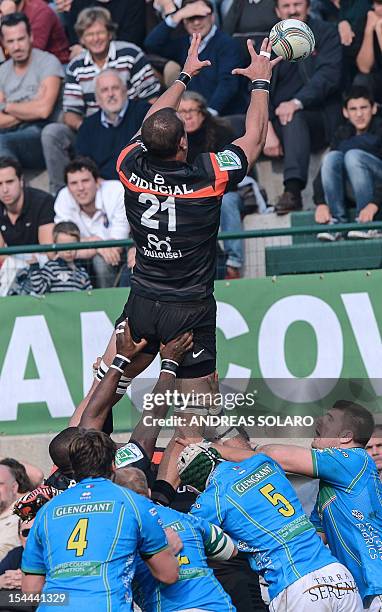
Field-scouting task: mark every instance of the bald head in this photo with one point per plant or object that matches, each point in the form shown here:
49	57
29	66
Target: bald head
110	91
134	479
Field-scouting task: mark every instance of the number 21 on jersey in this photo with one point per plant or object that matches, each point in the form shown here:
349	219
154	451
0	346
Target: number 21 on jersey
77	540
147	217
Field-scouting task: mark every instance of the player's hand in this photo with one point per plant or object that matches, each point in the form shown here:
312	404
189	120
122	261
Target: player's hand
193	65
177	348
261	65
174	541
368	212
125	344
346	33
131	254
322	214
272	147
285	111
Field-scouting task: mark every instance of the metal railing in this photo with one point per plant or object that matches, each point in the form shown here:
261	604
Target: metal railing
244	235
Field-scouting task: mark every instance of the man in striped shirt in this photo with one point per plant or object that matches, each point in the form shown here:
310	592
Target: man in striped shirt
95	31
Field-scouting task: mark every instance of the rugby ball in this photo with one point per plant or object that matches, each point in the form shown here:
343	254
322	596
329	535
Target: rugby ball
292	39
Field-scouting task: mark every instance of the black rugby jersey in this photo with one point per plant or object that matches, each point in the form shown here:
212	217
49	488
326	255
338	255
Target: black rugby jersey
174	211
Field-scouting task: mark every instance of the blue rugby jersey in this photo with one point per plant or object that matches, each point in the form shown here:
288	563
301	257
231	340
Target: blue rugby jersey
197	586
86	540
254	503
349	511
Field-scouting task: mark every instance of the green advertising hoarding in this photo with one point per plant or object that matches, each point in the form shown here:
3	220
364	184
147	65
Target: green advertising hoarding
299	341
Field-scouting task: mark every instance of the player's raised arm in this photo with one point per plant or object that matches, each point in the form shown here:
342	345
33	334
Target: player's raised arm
259	72
192	66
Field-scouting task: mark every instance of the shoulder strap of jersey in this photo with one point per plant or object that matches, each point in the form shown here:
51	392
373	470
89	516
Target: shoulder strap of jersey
124	153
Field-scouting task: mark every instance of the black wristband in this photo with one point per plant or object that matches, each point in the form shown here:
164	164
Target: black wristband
184	78
170	366
162	493
120	362
260	84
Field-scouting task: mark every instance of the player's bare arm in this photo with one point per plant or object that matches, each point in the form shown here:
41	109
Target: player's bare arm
294	459
102	399
259	72
171	97
174	351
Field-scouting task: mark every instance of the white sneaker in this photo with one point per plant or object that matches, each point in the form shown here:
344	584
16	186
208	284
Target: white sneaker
329	236
364	234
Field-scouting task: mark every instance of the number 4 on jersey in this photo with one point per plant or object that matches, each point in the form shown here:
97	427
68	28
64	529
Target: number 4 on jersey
77	540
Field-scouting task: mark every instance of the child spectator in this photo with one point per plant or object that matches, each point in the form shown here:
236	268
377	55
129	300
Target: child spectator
61	273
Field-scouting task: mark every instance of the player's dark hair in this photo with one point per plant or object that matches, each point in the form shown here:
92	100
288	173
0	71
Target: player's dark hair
81	163
59	450
132	478
357	419
13	19
92	454
10	162
19	473
162	132
356	92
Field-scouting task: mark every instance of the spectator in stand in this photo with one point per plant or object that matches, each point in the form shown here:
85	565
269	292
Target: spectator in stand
47	29
9	492
245	16
224	92
355	158
304	104
95	31
34	474
374	448
26	214
10	572
208	133
30	83
103	135
60	273
129	15
97	208
369	58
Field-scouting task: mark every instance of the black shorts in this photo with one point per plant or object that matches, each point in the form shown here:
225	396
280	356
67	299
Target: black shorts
162	321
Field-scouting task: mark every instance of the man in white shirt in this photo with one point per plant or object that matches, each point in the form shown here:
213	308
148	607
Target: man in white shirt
97	207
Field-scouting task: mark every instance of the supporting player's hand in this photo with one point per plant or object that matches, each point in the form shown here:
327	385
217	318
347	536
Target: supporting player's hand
193	65
177	348
261	65
174	541
125	344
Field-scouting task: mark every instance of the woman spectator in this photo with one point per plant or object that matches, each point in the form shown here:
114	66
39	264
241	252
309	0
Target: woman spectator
208	133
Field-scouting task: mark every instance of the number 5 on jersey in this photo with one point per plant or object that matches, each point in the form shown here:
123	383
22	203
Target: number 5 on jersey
77	540
277	498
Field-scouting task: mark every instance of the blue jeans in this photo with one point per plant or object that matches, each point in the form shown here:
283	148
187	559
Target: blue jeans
230	221
24	144
360	169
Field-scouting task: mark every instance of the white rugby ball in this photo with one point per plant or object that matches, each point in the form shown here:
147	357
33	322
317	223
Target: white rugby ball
292	39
